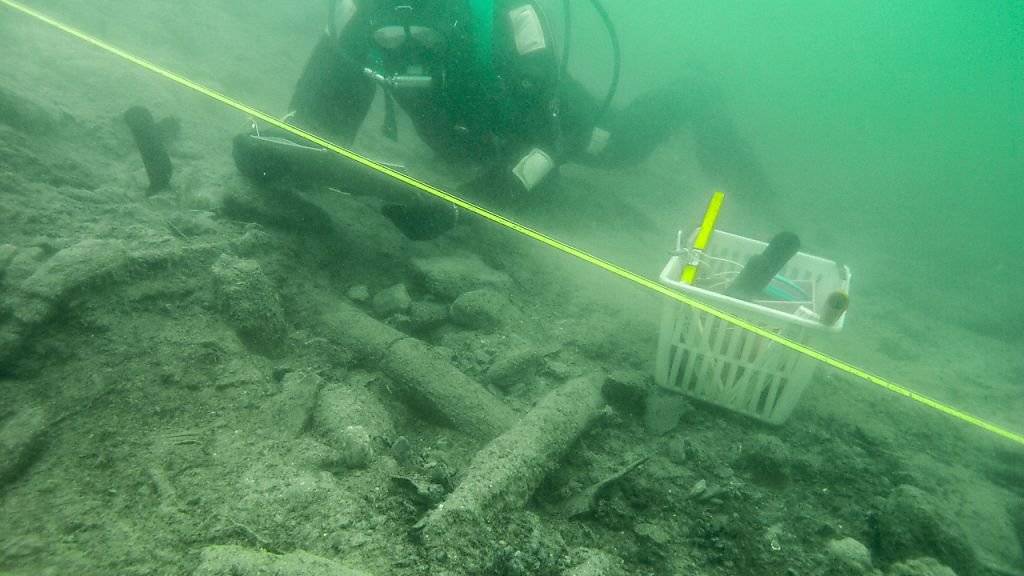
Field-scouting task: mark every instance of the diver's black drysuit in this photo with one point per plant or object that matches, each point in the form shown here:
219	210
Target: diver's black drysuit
482	82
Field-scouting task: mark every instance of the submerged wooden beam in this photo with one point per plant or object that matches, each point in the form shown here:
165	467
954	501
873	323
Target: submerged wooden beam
505	473
427	377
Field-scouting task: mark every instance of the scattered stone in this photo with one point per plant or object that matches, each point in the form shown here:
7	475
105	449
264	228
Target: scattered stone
354	448
20	439
358	293
991	529
391	300
698	488
249	303
449	276
350	403
438	470
513	366
420	491
652	533
424	316
773	536
590	562
401	451
482	309
911	525
920	567
292	408
522	548
767	459
849	554
193	223
230	560
677	450
627	390
663	410
253	241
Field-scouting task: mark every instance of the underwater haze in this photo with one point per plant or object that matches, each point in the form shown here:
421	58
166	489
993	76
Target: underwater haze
225	352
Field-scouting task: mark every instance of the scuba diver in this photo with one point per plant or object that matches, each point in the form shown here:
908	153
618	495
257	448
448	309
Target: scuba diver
482	82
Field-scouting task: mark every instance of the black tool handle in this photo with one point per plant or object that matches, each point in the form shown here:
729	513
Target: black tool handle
761	268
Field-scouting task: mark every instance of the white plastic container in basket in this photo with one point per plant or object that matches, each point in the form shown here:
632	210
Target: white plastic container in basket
712	360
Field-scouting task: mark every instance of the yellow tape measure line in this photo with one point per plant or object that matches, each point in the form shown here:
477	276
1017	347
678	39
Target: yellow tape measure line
701	242
526	231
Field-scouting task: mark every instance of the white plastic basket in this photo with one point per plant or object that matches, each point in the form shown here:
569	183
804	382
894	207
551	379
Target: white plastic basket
709	359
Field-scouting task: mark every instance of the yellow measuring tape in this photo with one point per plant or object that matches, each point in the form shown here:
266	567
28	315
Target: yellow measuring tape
538	236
